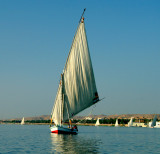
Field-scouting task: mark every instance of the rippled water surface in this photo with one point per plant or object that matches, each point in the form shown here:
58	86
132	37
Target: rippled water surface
91	139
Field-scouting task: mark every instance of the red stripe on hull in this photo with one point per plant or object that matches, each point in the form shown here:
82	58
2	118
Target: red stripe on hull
63	132
56	131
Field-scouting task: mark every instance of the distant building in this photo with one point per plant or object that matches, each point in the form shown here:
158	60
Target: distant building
139	124
88	118
139	120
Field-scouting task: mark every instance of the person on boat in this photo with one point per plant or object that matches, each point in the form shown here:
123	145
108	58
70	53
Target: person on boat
75	127
69	124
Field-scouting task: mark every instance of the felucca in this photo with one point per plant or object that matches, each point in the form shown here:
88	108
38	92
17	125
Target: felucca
130	123
154	123
77	88
22	121
97	122
116	124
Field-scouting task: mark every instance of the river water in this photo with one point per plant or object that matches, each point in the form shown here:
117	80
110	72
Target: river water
90	139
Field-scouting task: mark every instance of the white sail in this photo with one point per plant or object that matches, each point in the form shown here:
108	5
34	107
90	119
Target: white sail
57	111
97	122
154	121
116	124
78	83
130	123
22	121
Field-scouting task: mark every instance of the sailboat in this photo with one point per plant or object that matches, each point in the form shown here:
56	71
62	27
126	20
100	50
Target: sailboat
130	123
154	123
116	124
22	121
77	88
97	122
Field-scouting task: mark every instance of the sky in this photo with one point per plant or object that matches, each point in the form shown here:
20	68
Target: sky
124	43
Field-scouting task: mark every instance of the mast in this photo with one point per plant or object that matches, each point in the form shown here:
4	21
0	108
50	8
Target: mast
82	15
61	99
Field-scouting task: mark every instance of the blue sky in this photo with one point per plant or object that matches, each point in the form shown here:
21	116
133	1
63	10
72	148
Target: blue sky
124	42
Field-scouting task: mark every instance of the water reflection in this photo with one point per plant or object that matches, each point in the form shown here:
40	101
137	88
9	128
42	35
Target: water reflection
73	144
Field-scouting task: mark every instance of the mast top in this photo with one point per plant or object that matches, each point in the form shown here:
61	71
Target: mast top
82	18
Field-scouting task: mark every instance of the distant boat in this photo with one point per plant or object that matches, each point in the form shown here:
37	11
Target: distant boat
130	123
97	122
116	124
154	123
22	121
77	88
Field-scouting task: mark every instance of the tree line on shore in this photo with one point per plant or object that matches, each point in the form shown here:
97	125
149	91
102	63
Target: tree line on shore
86	121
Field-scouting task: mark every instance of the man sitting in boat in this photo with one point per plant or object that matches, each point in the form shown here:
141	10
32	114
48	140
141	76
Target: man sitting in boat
70	125
75	127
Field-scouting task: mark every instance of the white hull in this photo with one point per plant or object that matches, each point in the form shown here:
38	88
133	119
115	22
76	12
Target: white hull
63	130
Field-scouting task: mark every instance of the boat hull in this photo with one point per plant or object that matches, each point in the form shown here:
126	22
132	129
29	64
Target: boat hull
63	130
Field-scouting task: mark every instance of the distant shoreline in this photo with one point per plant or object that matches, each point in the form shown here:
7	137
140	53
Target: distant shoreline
121	116
80	124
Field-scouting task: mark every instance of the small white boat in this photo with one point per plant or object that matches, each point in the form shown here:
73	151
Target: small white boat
130	123
77	88
22	121
154	123
97	122
116	124
157	125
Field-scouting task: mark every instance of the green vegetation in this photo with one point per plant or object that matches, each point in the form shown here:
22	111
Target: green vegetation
37	121
102	121
112	121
